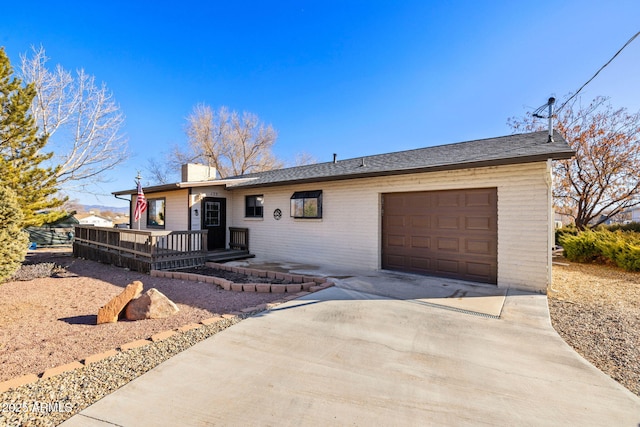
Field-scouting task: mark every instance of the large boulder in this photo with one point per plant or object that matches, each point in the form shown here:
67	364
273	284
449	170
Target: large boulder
110	312
153	304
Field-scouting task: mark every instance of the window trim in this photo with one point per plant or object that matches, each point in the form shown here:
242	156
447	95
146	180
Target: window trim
246	206
304	196
164	213
216	207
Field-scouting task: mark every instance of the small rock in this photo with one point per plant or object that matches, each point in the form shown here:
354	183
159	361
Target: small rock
110	312
153	304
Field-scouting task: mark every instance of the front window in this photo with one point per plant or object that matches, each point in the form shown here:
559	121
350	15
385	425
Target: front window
254	206
306	204
155	213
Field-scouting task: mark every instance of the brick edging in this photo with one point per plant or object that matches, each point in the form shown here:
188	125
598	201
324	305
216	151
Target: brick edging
298	282
88	360
31	378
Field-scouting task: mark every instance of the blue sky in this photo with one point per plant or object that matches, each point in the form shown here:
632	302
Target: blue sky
348	77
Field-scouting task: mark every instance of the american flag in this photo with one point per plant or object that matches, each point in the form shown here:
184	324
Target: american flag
141	204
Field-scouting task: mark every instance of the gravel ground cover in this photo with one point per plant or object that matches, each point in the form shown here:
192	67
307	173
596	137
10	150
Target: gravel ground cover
596	310
49	322
50	401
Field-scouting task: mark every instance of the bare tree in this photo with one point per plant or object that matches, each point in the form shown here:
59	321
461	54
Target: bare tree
602	180
158	172
81	118
303	158
234	144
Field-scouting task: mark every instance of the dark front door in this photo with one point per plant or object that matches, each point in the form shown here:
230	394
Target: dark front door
214	220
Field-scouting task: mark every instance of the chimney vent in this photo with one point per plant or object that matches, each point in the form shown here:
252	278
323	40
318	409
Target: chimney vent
192	172
335	158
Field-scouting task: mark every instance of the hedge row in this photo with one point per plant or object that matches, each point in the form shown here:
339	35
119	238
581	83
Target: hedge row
631	226
619	247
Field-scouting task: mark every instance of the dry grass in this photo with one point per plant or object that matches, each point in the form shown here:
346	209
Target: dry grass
596	310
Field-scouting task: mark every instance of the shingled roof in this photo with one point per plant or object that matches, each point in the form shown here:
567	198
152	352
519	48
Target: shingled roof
511	149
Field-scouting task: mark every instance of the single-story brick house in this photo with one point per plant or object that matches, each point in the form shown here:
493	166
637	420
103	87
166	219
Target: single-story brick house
478	210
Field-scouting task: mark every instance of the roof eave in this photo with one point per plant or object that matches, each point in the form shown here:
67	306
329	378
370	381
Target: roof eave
152	189
180	185
564	155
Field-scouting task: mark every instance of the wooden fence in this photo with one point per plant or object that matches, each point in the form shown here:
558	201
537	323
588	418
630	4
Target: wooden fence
141	250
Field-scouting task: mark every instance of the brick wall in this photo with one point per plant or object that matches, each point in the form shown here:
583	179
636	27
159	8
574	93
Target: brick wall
349	232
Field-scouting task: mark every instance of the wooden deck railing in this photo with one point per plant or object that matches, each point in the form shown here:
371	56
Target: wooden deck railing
141	250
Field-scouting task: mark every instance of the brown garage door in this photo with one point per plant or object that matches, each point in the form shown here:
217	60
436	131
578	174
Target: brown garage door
450	233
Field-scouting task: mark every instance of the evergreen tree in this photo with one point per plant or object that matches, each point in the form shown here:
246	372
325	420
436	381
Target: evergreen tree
13	241
20	151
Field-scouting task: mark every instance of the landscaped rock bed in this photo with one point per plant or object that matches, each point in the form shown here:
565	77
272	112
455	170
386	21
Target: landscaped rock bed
50	321
241	279
48	331
232	276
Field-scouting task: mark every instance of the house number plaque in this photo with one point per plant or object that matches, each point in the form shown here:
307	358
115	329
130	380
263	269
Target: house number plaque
277	214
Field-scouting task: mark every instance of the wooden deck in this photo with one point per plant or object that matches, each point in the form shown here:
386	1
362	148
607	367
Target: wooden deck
146	250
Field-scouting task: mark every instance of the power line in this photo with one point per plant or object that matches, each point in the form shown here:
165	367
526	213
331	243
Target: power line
597	72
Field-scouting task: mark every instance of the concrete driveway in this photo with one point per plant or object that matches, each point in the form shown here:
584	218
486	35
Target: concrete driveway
347	357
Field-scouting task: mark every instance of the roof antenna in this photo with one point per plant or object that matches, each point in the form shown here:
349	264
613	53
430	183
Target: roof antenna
538	114
552	101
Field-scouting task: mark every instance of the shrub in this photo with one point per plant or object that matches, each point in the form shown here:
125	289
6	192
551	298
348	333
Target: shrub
13	241
629	258
34	271
632	226
568	230
581	247
620	247
609	244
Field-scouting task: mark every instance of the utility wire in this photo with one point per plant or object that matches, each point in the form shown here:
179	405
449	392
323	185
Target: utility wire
538	112
597	72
